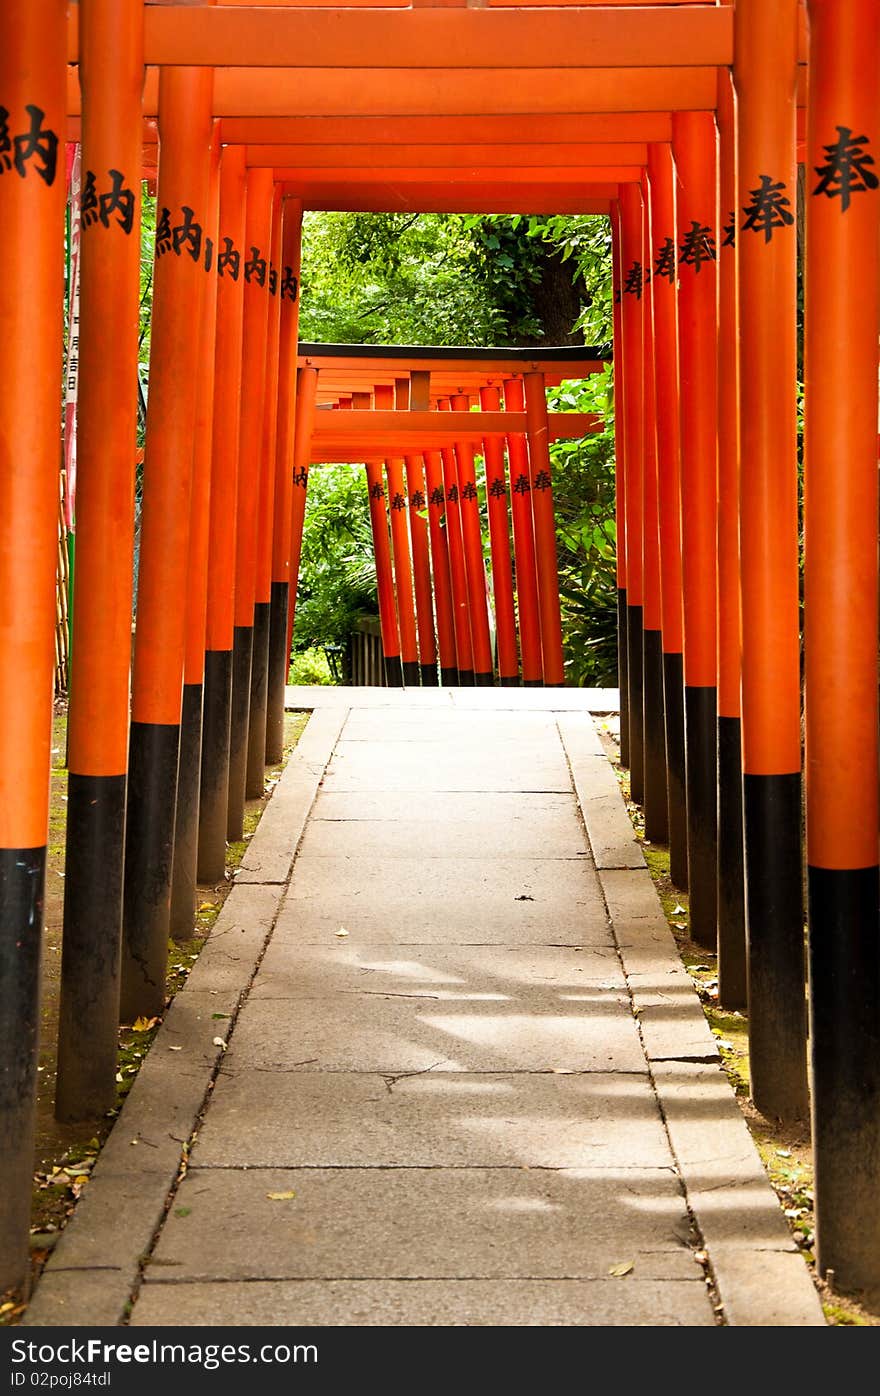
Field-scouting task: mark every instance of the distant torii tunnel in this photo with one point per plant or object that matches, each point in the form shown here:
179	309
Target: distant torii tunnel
683	123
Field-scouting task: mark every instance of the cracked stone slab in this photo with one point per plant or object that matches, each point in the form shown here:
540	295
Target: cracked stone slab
425	1223
326	1120
429	1303
767	1289
501	974
361	1032
358	767
446	806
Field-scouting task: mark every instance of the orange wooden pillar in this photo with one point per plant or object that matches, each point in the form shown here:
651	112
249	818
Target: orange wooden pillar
255	267
387	398
440	569
732	968
632	267
32	84
546	557
664	298
656	795
219	634
523	525
279	652
765	72
694	142
256	754
186	825
499	543
160	641
472	537
620	483
418	532
457	568
382	551
841	581
111	72
304	415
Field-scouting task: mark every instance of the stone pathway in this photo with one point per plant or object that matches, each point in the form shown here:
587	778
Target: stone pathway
467	1055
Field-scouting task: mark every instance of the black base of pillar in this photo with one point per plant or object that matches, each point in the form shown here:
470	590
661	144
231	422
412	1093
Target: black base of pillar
90	948
412	673
635	685
256	749
623	675
186	826
673	713
149	854
845	1044
393	671
214	780
775	920
701	757
733	983
533	683
509	681
466	678
484	680
239	718
429	675
656	805
449	678
22	882
279	667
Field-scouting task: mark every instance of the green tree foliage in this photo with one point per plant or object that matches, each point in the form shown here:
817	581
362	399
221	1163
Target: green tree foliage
337	580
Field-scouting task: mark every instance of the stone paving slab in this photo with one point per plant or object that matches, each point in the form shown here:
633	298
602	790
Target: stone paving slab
589	700
487	808
561	837
288	1120
405	1223
351	1032
626	1302
500	974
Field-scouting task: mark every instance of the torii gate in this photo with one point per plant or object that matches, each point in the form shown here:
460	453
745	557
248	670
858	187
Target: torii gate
605	109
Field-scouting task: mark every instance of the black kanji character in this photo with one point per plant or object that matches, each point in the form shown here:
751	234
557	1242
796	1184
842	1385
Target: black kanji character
522	485
417	500
437	495
634	281
376	491
730	230
209	253
452	494
229	258
542	480
119	199
769	208
187	236
617	296
469	490
255	269
5	142
698	246
398	502
847	170
39	143
89	208
664	264
497	489
163	233
289	285
301	477
273	281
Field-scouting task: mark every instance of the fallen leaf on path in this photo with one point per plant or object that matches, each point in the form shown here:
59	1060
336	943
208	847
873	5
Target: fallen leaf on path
175	1049
220	1042
624	1268
143	1024
342	931
280	1196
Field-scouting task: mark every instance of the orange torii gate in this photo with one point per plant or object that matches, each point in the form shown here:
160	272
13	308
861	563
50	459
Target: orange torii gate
421	382
604	109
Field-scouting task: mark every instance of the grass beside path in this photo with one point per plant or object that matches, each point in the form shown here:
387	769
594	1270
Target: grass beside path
66	1154
785	1151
